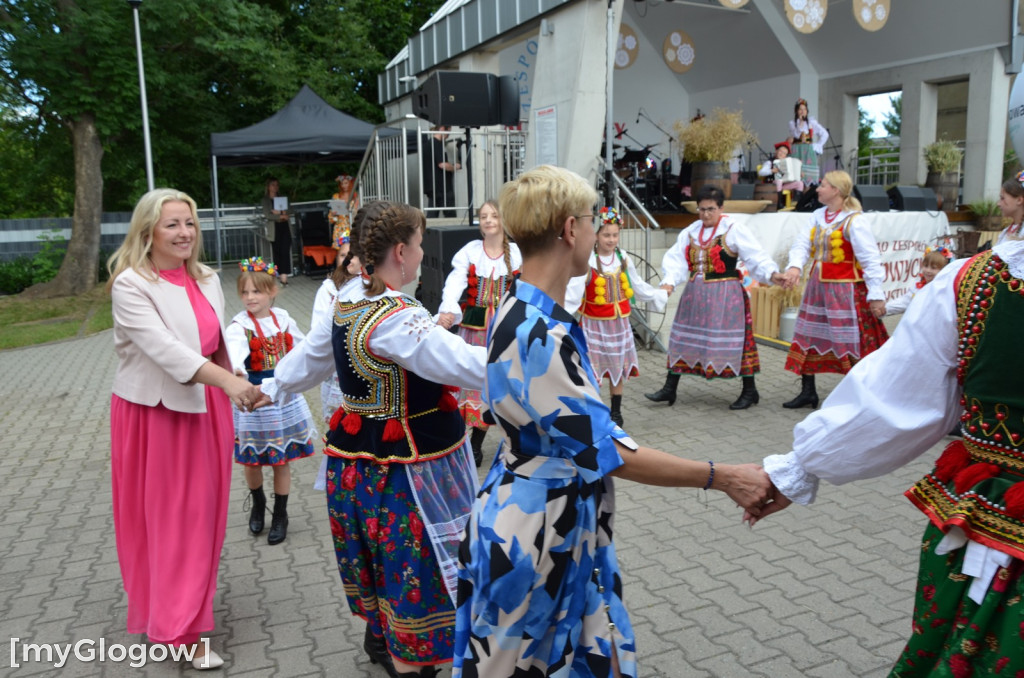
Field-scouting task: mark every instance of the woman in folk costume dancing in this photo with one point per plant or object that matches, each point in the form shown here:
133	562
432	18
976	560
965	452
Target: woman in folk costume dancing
257	339
712	333
400	481
839	321
540	590
807	137
603	297
482	272
955	359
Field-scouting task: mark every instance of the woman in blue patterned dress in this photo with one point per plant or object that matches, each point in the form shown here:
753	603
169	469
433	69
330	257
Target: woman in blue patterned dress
540	592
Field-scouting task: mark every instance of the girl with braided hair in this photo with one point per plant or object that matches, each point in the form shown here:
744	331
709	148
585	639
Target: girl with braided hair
482	272
400	482
603	296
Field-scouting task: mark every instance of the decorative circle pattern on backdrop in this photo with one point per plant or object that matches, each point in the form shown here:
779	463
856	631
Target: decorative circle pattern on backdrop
806	16
733	4
678	51
627	47
871	14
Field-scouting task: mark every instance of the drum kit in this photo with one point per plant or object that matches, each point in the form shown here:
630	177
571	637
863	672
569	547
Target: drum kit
649	177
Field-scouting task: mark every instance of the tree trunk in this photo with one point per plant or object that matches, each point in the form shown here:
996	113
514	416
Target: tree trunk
79	271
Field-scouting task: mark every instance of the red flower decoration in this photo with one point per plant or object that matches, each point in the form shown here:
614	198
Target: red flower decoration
960	666
381	484
928	592
336	529
349	477
415	526
254	343
413	595
972	475
336	418
371	529
352	423
1014	500
1001	664
954	459
393	431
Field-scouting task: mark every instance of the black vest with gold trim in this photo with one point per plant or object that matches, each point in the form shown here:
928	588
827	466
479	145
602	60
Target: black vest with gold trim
978	484
389	415
714	260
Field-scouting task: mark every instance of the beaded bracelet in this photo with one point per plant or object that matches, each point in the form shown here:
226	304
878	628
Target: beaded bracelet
711	475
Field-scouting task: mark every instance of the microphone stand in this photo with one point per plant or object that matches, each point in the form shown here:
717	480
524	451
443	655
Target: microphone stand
661	177
837	158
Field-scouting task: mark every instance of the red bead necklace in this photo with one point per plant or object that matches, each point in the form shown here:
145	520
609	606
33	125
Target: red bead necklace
275	346
700	234
830	219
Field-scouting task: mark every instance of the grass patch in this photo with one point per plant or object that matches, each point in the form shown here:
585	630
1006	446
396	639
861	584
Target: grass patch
26	322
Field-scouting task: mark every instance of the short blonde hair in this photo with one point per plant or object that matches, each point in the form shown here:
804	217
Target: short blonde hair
842	181
134	251
534	207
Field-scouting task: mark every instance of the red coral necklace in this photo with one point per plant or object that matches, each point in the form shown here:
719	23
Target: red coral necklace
831	216
700	234
275	346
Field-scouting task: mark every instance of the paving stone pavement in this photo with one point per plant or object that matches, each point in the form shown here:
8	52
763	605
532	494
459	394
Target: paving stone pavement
824	591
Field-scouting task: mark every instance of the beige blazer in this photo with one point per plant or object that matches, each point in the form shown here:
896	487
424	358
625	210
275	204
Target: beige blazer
156	338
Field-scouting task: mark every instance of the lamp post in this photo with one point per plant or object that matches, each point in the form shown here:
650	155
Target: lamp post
142	95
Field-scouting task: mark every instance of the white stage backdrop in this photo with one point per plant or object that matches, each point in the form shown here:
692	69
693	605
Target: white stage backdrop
902	238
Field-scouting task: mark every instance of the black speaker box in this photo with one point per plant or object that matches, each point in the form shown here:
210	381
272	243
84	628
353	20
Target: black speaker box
872	197
458	98
508	101
913	199
742	192
440	243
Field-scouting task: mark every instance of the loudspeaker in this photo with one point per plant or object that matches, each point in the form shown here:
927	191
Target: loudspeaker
872	197
440	243
464	99
742	192
508	101
808	199
912	199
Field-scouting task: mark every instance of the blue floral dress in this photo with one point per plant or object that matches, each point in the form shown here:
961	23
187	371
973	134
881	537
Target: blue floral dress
540	593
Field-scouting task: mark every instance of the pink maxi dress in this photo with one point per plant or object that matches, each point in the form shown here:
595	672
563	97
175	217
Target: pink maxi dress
171	474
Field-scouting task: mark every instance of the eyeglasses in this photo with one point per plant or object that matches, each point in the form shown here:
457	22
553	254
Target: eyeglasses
583	216
704	210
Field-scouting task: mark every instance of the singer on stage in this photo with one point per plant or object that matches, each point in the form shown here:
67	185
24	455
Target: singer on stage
808	138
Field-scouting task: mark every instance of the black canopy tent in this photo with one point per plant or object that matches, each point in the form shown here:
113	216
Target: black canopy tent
306	130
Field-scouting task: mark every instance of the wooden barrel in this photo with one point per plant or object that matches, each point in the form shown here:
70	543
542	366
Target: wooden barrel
711	173
767	192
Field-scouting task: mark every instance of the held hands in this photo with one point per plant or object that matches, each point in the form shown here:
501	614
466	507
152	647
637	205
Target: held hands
877	308
777	503
790	278
245	396
778	279
668	288
446	320
746	484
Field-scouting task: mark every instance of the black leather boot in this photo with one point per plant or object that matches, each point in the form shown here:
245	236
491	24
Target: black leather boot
258	510
808	395
748	396
616	414
424	672
279	521
476	441
666	392
376	649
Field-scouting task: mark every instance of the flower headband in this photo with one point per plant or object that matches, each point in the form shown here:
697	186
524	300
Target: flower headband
610	215
1020	178
342	178
257	265
801	101
944	251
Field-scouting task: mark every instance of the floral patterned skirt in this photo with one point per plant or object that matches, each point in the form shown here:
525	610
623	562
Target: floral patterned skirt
808	162
953	635
387	562
834	328
275	434
712	334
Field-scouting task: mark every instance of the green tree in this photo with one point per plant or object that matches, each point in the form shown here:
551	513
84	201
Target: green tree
865	123
894	118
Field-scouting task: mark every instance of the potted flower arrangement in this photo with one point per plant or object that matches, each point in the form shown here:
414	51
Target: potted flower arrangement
943	158
709	142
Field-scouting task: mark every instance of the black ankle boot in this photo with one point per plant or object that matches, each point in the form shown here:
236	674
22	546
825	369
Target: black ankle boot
476	441
748	396
279	521
376	649
666	392
616	414
258	502
808	395
424	672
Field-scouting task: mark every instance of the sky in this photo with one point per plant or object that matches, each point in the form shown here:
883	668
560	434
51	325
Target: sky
877	105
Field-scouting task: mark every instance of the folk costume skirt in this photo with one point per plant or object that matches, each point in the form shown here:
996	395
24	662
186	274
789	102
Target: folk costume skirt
471	403
834	328
170	475
952	634
808	162
612	349
712	334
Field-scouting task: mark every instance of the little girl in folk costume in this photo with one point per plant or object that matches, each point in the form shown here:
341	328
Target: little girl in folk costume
257	339
482	272
933	261
603	298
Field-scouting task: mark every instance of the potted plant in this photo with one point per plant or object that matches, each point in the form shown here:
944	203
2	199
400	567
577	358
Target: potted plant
709	142
987	215
943	160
